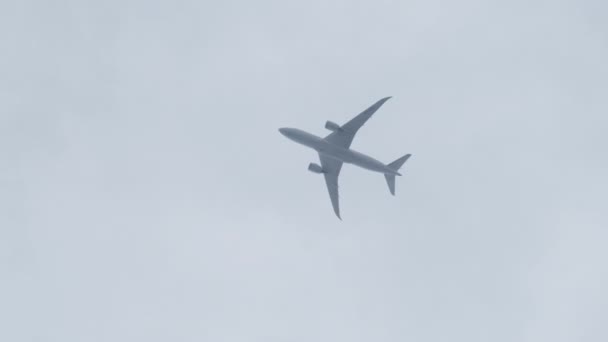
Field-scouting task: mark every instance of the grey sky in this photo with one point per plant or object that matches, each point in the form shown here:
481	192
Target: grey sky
145	193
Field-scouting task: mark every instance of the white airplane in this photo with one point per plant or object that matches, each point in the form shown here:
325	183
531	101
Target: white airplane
334	150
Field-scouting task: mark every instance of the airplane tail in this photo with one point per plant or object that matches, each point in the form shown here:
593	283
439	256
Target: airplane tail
396	165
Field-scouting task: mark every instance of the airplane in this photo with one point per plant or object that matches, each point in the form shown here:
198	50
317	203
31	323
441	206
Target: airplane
334	150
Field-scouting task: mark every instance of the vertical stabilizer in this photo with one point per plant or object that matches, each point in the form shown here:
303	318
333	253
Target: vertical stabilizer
396	165
390	180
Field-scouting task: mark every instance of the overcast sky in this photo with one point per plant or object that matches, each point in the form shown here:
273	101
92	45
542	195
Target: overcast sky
146	194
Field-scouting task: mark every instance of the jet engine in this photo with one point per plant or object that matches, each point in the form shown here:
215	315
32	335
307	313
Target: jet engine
312	167
332	126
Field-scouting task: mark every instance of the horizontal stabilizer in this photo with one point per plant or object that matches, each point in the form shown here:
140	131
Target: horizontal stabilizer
396	165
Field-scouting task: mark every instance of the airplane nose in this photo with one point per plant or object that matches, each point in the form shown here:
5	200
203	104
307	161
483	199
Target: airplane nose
283	130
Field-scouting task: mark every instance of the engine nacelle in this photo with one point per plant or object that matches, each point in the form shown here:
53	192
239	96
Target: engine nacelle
332	126
312	167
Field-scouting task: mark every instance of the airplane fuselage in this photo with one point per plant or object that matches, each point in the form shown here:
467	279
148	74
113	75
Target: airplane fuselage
344	155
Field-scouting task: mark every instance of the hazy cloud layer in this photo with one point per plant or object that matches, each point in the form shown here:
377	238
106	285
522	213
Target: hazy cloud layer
145	193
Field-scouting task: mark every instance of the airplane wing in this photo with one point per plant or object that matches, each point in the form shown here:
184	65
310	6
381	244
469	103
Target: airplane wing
344	136
331	171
